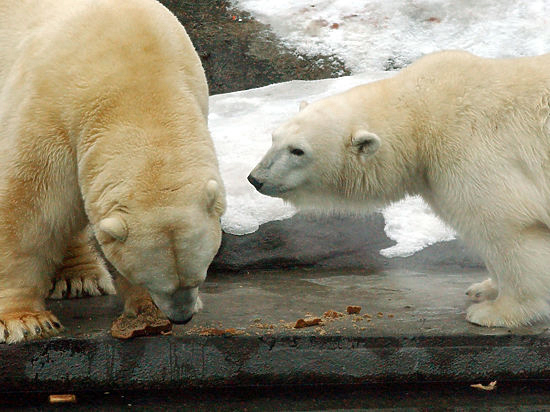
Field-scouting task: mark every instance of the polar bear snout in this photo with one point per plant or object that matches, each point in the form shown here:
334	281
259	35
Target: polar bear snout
179	306
255	182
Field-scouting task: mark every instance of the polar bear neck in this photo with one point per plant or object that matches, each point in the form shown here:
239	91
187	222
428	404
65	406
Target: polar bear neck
379	110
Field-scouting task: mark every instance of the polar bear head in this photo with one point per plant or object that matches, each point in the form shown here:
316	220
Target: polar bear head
167	247
154	200
326	158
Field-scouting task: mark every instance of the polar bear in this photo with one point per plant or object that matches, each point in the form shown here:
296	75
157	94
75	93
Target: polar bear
470	135
103	114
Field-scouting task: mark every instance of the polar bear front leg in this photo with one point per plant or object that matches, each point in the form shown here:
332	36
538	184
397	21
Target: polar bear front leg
83	272
521	267
23	315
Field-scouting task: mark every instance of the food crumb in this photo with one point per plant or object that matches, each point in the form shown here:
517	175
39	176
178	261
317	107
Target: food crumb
302	323
62	398
332	314
264	326
220	332
490	387
353	309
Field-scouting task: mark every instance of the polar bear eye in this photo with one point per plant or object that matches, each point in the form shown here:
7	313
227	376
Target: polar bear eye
296	151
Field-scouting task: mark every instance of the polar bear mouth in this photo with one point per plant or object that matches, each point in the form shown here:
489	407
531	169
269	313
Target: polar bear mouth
180	306
267	189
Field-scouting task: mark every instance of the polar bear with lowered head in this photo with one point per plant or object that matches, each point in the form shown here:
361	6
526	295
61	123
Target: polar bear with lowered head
468	134
103	108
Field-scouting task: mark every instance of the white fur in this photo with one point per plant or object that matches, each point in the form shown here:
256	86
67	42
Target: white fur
103	114
470	135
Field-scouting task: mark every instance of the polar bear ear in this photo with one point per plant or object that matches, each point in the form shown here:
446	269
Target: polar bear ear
212	192
365	143
115	227
303	105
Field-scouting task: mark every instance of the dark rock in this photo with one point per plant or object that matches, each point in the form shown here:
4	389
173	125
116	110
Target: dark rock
240	53
330	242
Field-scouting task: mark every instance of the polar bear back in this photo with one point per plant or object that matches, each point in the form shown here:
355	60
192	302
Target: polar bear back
23	26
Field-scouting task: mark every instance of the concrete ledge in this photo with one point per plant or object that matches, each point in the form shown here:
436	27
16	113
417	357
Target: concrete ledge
102	364
420	335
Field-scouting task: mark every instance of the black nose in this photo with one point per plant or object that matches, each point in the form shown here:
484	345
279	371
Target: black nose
255	182
181	321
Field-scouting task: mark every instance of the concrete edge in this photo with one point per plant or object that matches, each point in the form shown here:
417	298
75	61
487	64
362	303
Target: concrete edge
102	363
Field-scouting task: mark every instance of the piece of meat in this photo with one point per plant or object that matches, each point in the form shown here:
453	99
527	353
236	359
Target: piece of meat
149	321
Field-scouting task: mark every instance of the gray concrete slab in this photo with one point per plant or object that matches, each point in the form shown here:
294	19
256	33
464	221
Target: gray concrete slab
417	333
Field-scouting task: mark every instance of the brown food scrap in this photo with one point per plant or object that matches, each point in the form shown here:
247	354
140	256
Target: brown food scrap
390	315
220	332
434	20
367	316
303	323
264	325
380	314
490	387
62	398
150	321
334	25
353	309
332	314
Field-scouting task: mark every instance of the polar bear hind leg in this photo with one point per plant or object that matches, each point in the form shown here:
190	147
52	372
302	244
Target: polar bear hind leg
520	266
82	273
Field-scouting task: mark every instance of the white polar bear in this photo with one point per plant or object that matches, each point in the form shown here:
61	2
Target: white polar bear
103	108
468	134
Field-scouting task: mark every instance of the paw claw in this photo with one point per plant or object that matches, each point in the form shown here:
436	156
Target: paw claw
94	280
25	326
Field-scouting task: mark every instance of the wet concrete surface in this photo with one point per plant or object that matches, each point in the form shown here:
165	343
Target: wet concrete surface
414	332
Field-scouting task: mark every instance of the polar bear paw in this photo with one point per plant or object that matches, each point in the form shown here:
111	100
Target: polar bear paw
503	312
90	279
482	291
18	327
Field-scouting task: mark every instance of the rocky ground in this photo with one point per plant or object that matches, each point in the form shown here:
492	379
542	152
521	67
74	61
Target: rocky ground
240	53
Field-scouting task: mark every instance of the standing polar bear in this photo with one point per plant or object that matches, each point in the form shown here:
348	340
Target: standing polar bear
468	134
103	108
